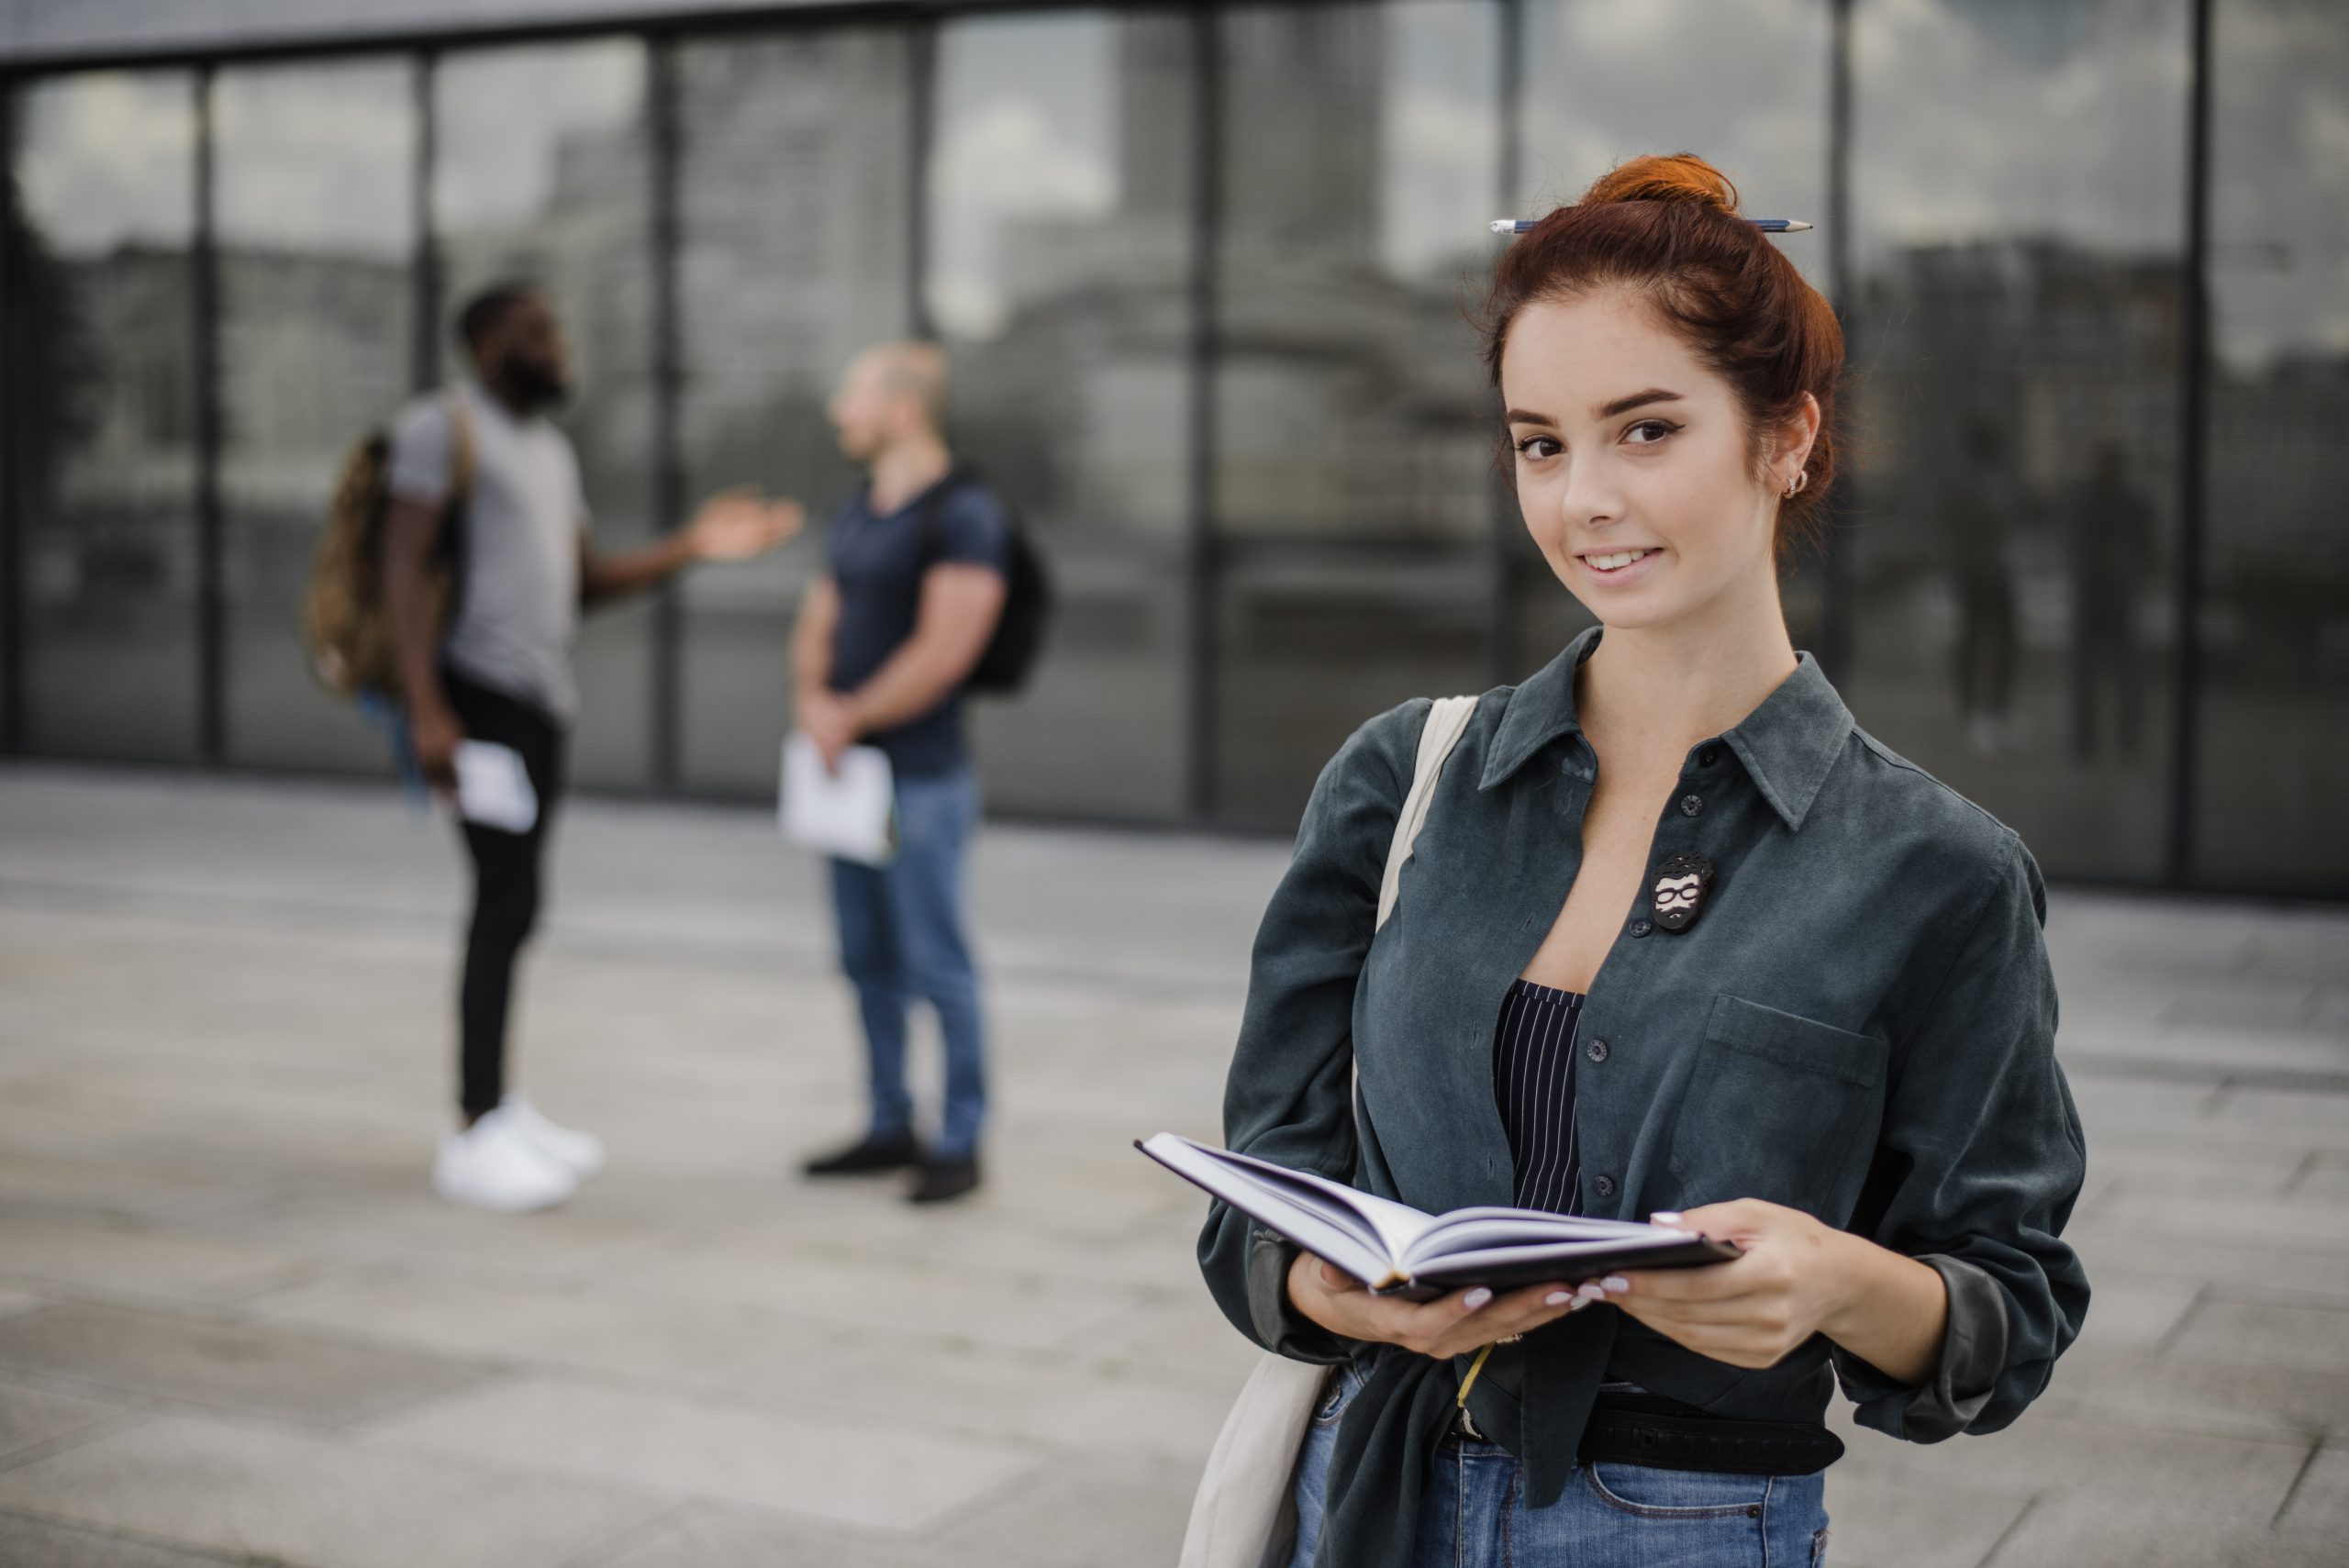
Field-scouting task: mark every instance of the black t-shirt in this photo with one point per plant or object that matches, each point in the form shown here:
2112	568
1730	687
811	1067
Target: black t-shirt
877	564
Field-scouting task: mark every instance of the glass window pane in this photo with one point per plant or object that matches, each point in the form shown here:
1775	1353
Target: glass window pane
105	216
795	207
1355	486
1059	279
1748	93
315	171
540	172
2013	518
2272	786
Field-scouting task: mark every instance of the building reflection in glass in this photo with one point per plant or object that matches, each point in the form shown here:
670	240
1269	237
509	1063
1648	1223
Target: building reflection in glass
1354	488
103	224
2019	184
795	252
1058	276
317	240
540	171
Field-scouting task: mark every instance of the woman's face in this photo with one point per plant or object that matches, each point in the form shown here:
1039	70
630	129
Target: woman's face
1634	467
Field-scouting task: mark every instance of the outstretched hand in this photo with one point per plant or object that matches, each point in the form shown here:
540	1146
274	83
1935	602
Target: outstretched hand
735	525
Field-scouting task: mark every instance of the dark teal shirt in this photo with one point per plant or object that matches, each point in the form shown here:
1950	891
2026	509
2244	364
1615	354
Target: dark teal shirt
1860	1024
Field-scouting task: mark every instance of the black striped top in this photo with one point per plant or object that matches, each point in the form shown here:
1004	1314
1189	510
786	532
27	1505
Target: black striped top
1533	1080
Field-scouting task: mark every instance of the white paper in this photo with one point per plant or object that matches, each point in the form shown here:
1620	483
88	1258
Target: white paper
494	787
851	812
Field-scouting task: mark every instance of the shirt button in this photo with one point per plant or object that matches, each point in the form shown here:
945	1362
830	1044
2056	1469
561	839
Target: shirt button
1603	1185
1597	1051
1691	803
1709	756
1641	928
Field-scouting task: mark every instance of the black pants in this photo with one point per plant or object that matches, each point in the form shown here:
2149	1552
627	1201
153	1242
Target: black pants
506	881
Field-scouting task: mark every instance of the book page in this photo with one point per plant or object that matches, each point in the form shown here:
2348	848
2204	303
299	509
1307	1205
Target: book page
1314	1213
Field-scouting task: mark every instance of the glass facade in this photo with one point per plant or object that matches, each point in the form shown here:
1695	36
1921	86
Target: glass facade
2020	357
1058	211
542	171
316	231
793	245
1355	489
103	233
1205	278
2271	762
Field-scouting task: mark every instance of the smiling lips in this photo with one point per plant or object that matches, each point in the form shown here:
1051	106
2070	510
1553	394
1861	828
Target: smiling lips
1615	561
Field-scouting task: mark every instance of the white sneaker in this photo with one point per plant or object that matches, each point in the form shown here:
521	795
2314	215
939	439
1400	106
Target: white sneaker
581	1154
492	1165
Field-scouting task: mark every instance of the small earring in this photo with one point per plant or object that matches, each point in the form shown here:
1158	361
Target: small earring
1802	477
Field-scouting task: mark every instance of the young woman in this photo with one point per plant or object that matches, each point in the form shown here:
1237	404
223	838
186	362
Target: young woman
1678	938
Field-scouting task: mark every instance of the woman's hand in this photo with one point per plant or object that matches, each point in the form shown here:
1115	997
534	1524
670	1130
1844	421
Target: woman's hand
1798	1277
1449	1326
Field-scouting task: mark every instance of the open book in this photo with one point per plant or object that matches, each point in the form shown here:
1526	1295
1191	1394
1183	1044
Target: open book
1394	1248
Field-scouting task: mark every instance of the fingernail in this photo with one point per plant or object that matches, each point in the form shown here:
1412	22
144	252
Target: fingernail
1591	1291
1663	1216
1615	1284
1477	1297
1557	1298
1580	1302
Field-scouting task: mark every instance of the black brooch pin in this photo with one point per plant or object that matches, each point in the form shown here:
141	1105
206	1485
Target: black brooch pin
1681	884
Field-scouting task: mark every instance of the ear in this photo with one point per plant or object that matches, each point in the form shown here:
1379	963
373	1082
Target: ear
1795	436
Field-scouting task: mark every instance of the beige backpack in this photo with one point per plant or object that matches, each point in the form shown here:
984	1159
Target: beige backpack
345	623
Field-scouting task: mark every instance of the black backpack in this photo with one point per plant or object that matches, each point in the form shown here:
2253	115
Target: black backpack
1019	636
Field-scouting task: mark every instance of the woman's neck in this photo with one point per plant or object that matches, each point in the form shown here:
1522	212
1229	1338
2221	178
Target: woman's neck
1665	688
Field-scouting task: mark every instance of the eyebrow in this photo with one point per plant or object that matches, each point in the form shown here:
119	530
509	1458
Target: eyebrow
1621	405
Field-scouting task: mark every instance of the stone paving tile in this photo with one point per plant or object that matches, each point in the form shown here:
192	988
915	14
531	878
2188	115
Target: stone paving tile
1092	1505
236	1366
1882	1518
1044	1399
140	1262
2317	1514
2084	1530
883	1294
2236	1481
2245	1333
35	1543
877	1474
706	1535
531	1319
270	1496
2170	1392
15	1301
2132	1310
31	1416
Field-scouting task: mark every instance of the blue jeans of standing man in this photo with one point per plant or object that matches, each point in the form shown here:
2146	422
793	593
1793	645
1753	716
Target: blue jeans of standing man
1613	1515
902	939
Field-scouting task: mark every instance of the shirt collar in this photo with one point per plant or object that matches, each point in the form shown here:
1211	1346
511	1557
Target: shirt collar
1788	744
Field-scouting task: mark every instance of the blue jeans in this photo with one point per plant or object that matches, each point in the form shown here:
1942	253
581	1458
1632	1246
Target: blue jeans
1612	1516
901	938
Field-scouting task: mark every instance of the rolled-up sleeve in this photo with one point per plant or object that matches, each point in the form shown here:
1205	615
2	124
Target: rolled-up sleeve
1289	1095
1984	1158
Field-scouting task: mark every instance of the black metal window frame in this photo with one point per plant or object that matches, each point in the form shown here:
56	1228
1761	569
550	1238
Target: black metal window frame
661	35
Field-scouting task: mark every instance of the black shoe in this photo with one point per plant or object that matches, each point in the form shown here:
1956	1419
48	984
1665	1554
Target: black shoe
943	1178
866	1156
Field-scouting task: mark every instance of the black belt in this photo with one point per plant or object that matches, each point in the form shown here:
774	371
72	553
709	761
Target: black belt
1663	1434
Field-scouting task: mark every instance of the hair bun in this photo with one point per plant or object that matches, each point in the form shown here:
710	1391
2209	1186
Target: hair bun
1665	177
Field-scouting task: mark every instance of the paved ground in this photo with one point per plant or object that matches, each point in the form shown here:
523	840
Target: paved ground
234	1326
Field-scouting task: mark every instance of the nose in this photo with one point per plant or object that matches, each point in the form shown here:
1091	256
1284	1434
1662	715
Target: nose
1588	498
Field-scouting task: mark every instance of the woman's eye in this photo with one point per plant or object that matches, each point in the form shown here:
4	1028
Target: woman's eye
1539	446
1647	432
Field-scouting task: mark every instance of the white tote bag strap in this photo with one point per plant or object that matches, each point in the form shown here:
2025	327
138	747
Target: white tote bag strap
1237	1508
1447	722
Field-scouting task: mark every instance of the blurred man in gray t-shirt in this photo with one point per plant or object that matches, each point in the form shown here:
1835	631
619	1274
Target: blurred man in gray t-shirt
513	523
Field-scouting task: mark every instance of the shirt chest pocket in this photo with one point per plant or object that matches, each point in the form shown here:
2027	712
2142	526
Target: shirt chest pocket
1779	1107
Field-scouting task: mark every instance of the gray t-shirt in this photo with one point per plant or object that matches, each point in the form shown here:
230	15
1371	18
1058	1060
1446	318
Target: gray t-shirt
519	606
